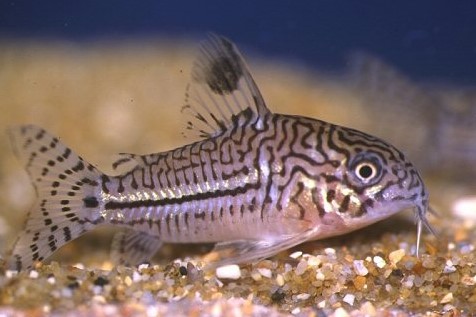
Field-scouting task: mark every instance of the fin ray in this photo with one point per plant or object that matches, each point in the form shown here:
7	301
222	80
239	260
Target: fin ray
221	87
131	247
66	188
239	251
125	162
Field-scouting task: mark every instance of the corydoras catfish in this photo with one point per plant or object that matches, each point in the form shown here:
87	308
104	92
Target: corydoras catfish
256	183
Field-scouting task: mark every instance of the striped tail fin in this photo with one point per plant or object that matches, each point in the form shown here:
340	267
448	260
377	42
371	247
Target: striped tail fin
67	191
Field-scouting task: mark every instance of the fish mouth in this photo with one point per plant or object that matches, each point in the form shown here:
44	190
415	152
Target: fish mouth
376	214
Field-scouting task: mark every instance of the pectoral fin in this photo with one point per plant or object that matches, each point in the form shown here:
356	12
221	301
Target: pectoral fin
131	247
239	251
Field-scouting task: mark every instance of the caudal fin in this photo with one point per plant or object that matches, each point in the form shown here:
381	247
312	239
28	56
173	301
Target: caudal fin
67	190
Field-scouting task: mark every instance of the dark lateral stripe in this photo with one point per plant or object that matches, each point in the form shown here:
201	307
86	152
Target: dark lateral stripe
177	201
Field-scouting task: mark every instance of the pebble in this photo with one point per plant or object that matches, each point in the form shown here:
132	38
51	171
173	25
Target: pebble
142	266
449	309
265	272
447	298
99	299
396	256
449	267
313	261
368	309
469	281
79	266
287	267
465	207
183	270
97	290
295	255
359	282
256	276
301	267
428	262
46	309
296	311
280	280
152	311
34	274
408	282
467	248
349	299
340	312
66	292
231	272
379	262
136	277
360	268
51	280
330	251
320	276
303	296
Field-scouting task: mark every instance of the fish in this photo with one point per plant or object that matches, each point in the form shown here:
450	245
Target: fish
253	182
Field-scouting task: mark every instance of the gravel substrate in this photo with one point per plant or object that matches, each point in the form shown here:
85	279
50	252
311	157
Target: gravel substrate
359	276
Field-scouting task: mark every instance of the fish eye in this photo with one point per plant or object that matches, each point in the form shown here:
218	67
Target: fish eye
366	168
365	171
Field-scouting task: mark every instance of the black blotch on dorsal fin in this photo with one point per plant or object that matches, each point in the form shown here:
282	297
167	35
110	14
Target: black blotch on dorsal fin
224	72
221	87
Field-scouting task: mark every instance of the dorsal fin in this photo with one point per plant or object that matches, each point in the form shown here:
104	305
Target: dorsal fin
221	87
125	162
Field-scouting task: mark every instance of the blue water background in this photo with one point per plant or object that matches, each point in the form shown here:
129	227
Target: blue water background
427	40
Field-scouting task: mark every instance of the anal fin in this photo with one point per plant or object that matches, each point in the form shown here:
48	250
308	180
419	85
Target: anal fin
240	251
131	247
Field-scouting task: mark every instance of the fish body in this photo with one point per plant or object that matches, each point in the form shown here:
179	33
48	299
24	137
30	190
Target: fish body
256	184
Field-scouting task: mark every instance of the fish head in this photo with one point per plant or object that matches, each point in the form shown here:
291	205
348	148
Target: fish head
376	180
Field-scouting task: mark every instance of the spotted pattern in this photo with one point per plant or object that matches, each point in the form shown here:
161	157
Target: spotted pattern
66	186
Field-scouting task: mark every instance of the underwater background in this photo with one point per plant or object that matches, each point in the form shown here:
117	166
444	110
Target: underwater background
425	39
